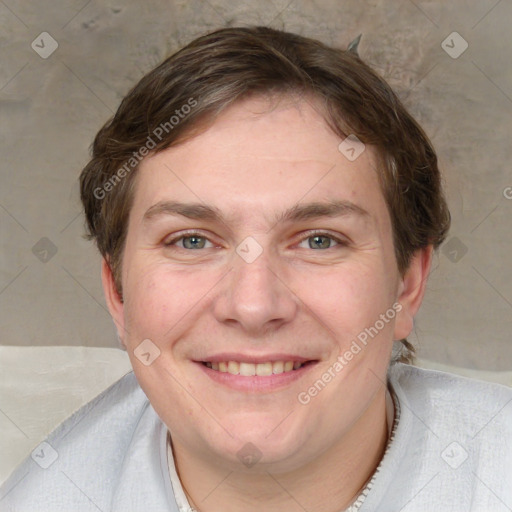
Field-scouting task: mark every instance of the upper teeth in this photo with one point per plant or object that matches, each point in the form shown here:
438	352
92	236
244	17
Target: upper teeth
248	369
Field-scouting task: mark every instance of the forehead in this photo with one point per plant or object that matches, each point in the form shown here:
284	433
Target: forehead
260	155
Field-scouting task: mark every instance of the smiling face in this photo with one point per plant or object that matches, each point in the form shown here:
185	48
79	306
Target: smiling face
258	247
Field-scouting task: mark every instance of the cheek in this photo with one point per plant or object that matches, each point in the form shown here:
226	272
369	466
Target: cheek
350	299
161	302
146	304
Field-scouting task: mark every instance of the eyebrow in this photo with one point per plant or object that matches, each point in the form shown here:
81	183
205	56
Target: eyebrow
307	211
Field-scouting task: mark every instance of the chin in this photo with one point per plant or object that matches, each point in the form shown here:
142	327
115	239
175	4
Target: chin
261	447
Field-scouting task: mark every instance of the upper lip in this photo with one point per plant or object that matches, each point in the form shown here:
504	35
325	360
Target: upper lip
254	359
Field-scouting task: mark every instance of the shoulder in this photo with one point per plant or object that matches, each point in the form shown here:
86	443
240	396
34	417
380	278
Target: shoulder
453	445
440	385
92	441
448	401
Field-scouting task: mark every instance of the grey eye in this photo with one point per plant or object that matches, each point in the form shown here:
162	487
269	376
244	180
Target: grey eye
320	242
194	242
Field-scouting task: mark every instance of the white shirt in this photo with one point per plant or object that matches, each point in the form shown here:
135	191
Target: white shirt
452	452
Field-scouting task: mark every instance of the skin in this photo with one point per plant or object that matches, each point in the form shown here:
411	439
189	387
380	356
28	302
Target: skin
255	161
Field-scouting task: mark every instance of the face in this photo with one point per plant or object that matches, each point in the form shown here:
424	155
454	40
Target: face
258	248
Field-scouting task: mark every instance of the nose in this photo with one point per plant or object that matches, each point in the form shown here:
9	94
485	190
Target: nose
255	297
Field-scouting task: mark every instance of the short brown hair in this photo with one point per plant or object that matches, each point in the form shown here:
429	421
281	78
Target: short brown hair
220	68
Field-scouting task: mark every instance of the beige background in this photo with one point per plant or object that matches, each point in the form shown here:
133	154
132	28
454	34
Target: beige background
51	109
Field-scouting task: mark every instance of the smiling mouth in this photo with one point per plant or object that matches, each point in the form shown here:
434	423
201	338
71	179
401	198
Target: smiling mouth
256	369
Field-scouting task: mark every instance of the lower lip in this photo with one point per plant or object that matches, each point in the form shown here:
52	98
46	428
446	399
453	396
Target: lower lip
256	383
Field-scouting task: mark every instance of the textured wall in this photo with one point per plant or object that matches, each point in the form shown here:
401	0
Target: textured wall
51	108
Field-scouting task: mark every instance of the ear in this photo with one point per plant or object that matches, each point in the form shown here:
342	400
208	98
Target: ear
114	301
411	291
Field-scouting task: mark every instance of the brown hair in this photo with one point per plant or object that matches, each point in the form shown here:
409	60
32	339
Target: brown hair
214	71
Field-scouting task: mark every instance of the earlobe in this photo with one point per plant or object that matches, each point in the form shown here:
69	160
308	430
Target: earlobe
113	299
411	291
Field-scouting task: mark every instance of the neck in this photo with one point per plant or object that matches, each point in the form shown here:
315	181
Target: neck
329	483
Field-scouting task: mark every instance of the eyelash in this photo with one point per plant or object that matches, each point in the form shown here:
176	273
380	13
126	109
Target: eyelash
309	234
